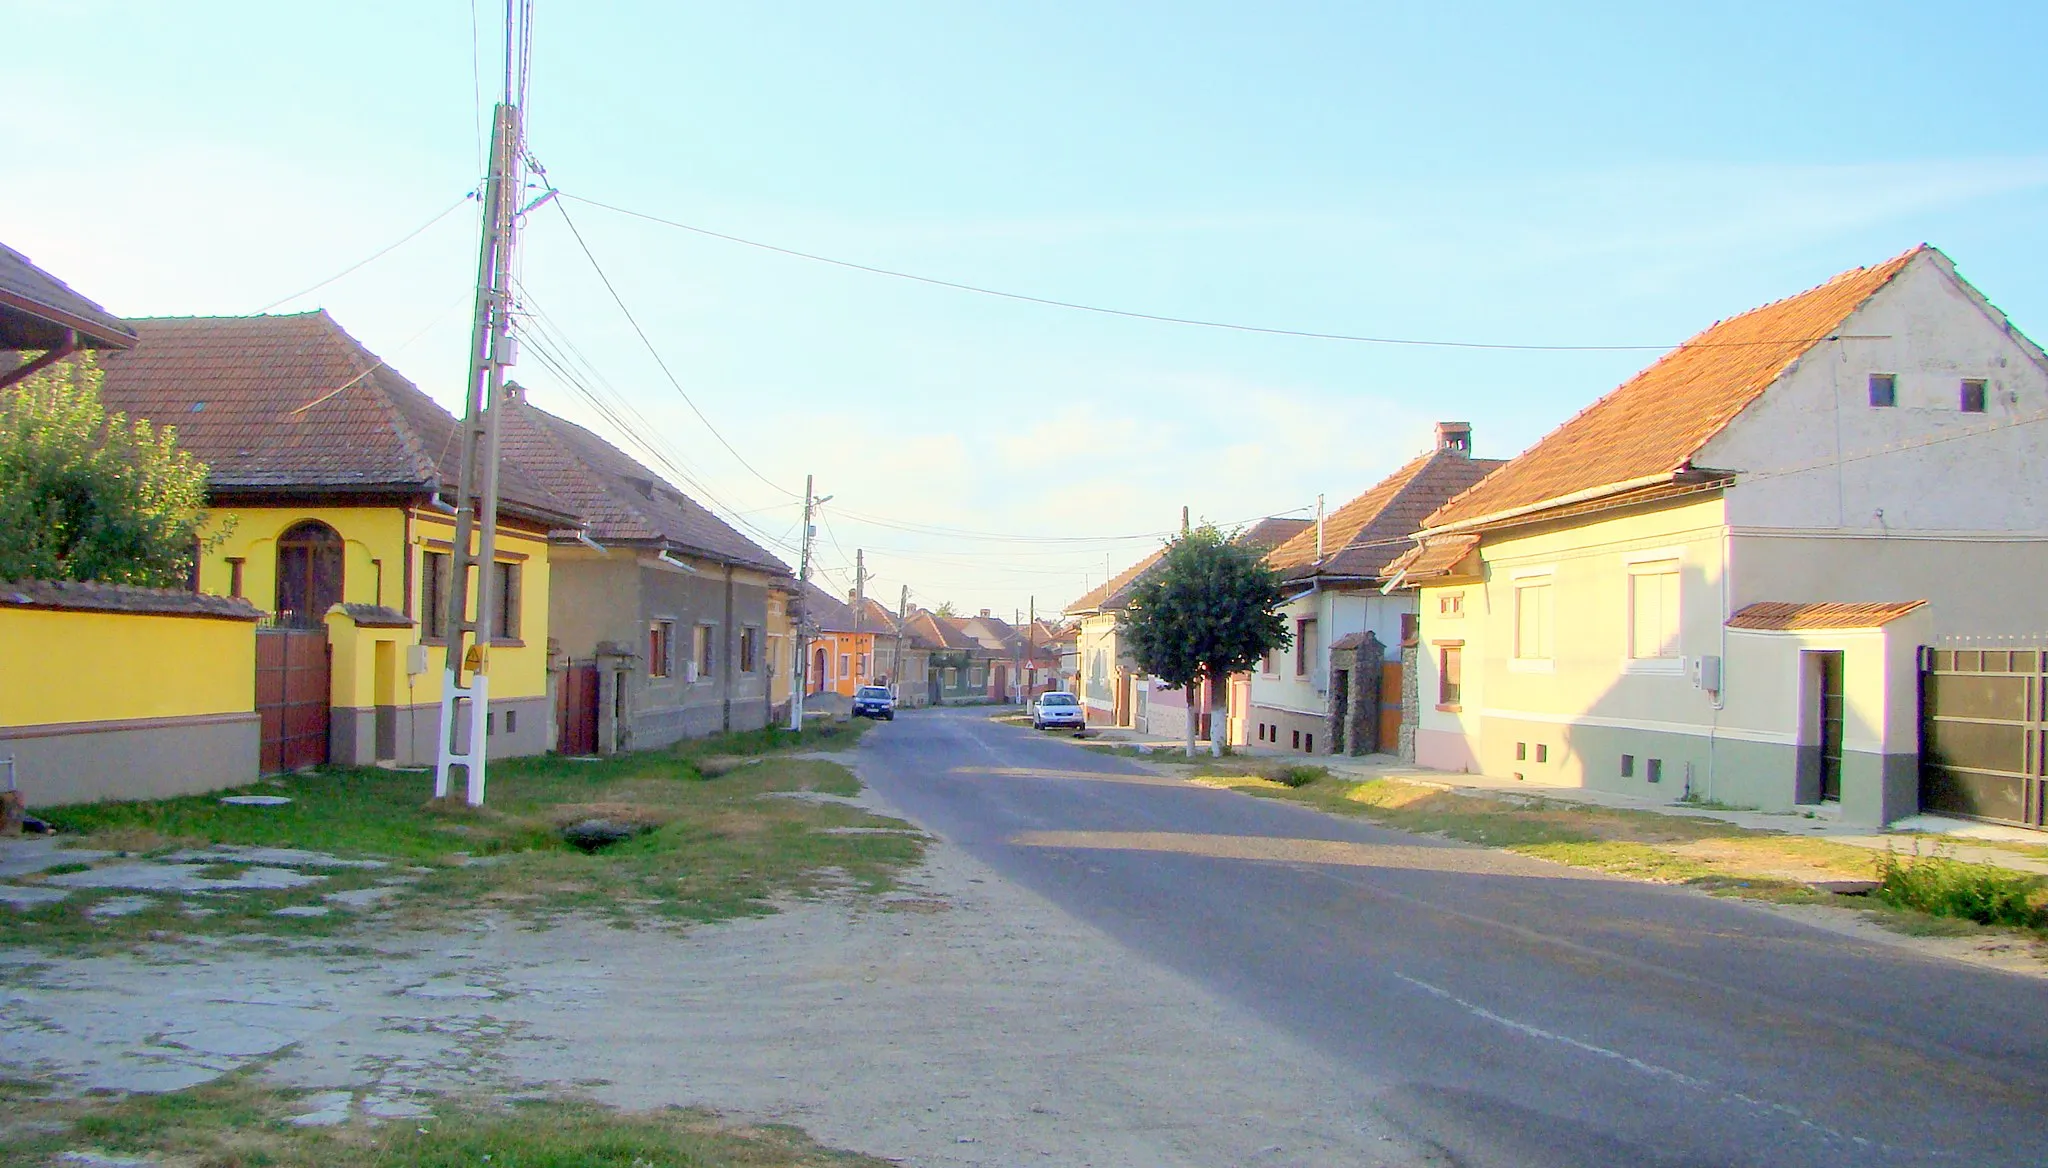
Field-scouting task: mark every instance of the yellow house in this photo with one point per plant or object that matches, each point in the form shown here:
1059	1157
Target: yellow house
1716	582
328	474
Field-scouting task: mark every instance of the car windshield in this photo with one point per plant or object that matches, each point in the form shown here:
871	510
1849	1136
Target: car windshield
873	691
1056	699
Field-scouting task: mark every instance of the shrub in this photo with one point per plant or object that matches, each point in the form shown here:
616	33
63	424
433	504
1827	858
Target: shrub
1300	775
1942	886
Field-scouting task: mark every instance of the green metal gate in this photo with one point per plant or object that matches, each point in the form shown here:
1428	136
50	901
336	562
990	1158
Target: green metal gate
1984	722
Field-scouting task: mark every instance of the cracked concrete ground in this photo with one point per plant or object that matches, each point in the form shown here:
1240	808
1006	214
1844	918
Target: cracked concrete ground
960	1021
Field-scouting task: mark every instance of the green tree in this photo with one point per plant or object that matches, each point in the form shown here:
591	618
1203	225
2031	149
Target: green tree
1210	609
85	495
946	608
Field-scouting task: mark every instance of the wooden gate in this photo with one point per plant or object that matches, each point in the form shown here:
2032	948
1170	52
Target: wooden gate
576	710
1390	707
292	696
1984	734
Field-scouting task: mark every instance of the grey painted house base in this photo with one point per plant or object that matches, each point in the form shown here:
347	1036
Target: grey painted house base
1774	777
152	759
520	726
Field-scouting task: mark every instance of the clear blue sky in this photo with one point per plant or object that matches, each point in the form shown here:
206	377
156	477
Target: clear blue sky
1583	174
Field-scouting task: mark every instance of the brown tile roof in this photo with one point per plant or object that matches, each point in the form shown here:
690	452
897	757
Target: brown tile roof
827	613
1360	537
621	500
875	617
36	308
1778	616
295	405
1113	594
940	632
376	616
1271	532
77	596
1434	560
1658	420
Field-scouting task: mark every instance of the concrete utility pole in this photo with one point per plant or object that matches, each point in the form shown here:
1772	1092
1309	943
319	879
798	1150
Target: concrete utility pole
860	604
902	619
802	663
1319	530
491	349
1184	525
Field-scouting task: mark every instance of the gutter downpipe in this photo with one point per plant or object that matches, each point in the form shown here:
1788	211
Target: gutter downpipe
583	537
672	562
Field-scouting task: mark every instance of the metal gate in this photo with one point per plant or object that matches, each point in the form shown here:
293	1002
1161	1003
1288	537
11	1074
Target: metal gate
292	697
576	711
1983	726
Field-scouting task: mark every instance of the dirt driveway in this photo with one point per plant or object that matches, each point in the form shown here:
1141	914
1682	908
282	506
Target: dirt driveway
960	1020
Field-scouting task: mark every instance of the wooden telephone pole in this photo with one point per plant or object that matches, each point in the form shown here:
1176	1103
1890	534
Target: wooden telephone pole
465	704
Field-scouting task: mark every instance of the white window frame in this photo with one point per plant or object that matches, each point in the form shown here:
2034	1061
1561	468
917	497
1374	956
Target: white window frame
1545	578
1633	566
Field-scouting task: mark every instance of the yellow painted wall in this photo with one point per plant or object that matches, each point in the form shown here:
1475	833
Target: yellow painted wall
369	535
376	566
100	666
516	670
782	647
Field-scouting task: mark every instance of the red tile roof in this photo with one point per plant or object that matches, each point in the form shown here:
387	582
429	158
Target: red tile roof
1113	594
825	612
940	632
1657	421
622	501
1271	532
295	405
1435	560
1360	537
1778	616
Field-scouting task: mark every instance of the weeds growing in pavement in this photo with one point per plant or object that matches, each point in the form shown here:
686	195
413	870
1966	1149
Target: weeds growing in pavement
1938	884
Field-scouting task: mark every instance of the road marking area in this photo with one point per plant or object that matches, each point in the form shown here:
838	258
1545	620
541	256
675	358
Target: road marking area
1079	776
1295	850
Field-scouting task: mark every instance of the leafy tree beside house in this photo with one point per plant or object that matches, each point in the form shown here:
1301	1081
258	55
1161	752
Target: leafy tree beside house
1210	609
85	495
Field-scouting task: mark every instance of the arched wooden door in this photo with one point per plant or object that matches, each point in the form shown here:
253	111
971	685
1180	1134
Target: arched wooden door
309	574
820	678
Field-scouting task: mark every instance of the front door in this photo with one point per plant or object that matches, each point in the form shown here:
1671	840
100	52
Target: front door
292	697
1828	673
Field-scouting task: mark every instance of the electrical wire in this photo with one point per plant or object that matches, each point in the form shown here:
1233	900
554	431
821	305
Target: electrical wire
652	352
1160	318
372	258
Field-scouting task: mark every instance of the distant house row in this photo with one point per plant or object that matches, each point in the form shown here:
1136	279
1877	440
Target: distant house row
633	616
1795	563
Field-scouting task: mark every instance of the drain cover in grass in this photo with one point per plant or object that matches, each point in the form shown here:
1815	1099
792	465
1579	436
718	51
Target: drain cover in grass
255	800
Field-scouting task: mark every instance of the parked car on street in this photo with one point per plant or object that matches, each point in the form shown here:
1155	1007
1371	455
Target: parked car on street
1057	708
874	701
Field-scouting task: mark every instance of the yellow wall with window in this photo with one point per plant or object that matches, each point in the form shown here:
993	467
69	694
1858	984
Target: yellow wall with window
384	553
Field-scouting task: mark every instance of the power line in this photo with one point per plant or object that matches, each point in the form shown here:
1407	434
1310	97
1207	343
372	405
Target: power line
372	258
1160	318
651	351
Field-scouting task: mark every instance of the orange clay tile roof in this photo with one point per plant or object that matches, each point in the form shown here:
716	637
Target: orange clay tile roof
1271	532
293	405
622	501
1432	560
940	632
1778	616
1658	420
1114	592
826	612
1360	537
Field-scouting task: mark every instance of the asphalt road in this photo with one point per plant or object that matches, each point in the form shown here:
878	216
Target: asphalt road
1508	1012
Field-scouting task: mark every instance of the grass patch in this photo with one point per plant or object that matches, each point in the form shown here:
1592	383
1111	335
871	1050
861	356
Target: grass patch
238	1121
1939	885
1930	895
712	847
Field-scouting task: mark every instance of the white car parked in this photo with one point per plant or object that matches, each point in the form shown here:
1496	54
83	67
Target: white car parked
1057	708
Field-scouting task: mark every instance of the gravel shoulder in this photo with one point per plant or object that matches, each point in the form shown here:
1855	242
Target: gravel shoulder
959	1020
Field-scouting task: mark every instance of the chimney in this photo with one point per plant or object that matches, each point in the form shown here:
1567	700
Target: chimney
1454	438
515	391
984	612
852	597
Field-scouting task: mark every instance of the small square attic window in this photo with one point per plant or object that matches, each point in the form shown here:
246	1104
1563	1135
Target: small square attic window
1973	397
1884	389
